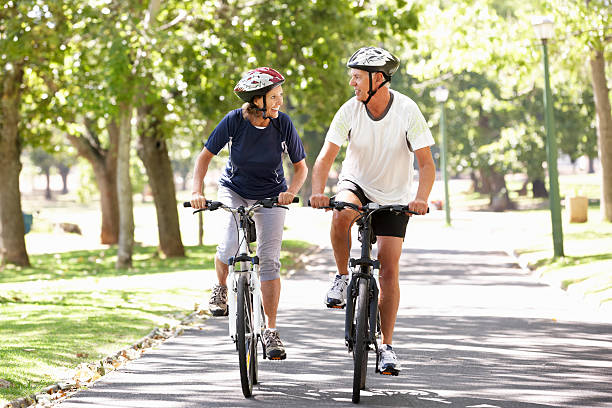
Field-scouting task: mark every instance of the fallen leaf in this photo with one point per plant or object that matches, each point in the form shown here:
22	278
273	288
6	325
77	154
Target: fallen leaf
82	355
5	384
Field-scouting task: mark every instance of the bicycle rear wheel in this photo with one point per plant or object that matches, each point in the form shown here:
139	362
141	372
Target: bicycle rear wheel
247	344
360	349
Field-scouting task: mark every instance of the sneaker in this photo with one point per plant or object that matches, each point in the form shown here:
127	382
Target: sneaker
274	346
218	301
336	296
388	364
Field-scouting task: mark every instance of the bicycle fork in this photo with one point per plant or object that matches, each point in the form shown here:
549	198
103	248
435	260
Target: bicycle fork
352	290
250	266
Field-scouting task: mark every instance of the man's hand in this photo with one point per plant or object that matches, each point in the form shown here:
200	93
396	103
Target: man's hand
319	200
285	198
418	206
198	201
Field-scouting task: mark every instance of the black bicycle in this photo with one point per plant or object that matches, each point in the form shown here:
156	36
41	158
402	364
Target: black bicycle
247	320
362	321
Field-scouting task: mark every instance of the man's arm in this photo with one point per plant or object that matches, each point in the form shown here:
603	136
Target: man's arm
320	172
427	176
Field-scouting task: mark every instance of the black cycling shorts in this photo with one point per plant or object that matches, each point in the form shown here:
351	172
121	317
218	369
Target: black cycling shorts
384	223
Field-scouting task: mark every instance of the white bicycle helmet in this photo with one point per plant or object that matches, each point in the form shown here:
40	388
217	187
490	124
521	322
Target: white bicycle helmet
374	59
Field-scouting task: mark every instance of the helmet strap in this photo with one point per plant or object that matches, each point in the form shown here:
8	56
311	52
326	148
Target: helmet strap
264	109
370	91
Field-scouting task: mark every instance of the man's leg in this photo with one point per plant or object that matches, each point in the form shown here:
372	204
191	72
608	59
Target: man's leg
341	243
389	252
339	234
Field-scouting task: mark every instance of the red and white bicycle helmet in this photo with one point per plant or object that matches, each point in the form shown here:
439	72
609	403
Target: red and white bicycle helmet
258	82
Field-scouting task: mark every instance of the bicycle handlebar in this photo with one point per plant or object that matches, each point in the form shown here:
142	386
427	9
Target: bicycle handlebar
266	203
370	207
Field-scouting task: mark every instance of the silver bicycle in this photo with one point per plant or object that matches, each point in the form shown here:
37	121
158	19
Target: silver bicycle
247	320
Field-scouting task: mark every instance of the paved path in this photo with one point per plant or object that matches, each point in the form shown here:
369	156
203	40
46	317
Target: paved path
473	330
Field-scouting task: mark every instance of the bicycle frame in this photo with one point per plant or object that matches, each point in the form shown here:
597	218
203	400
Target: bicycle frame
366	267
244	263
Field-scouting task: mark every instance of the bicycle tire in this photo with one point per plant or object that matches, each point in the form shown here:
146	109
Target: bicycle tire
247	347
360	349
255	363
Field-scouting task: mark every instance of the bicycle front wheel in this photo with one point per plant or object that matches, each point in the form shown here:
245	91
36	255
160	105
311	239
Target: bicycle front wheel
360	350
245	336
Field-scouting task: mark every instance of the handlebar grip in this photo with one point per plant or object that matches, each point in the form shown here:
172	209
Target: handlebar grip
331	202
296	199
188	203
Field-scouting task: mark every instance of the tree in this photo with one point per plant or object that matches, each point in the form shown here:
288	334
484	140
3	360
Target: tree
588	27
32	40
44	161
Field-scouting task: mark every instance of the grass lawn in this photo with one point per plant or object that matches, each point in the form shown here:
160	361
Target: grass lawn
75	307
586	268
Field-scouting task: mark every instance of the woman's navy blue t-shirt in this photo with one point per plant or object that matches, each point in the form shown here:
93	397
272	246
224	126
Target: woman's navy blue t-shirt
255	167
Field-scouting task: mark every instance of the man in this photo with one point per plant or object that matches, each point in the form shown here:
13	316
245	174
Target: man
385	130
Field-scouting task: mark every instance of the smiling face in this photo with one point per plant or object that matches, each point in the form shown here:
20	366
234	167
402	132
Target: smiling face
274	100
361	83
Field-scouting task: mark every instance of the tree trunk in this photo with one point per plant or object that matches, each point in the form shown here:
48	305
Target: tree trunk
104	164
48	188
153	152
125	248
538	188
604	130
591	165
12	229
64	170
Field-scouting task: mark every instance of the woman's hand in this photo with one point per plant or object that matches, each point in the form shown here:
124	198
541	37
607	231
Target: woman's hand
197	200
285	198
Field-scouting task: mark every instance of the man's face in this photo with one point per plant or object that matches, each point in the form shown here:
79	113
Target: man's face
361	83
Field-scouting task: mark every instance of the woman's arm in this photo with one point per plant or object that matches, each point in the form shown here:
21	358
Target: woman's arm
198	199
300	171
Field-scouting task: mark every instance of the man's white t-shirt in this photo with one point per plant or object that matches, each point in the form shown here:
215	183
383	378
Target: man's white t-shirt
378	156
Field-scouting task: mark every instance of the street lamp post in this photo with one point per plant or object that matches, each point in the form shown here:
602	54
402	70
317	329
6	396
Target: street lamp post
543	27
441	95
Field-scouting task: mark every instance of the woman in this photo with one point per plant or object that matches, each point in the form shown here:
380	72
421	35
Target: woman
257	134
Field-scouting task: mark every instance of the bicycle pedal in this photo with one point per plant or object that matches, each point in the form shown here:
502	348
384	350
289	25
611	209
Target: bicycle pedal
220	313
392	372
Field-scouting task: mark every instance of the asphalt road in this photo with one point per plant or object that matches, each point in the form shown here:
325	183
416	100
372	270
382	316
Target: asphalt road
473	330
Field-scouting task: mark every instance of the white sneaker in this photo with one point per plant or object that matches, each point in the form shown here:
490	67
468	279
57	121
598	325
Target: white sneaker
336	296
388	364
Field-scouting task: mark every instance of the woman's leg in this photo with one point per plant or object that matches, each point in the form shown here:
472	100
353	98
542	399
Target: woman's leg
269	223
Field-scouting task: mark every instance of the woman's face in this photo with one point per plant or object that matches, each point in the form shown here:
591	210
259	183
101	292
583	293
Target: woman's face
274	100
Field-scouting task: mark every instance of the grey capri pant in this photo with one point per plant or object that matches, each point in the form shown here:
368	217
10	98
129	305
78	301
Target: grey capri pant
269	223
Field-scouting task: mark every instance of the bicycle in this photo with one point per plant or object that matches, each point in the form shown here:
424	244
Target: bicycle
247	320
362	312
